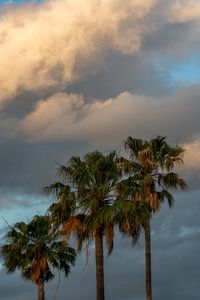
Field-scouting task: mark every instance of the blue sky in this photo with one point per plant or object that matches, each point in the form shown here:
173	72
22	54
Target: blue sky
188	71
5	2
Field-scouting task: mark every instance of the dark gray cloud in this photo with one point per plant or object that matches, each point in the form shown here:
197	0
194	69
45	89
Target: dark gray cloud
124	73
14	287
23	103
168	39
32	166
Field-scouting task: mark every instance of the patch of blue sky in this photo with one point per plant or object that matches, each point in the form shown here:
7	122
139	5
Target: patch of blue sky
24	211
7	2
186	72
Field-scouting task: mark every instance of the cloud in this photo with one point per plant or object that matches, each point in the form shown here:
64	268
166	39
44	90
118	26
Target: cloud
67	124
134	73
106	123
44	45
55	42
192	154
63	116
185	11
191	169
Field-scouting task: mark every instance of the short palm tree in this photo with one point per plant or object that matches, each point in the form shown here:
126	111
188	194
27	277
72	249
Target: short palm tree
32	249
92	180
150	181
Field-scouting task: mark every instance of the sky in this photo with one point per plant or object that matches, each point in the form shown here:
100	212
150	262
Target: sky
81	75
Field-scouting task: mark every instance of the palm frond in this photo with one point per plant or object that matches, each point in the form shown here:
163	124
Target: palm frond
32	249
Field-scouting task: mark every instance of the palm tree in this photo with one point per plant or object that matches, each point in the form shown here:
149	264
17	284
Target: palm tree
150	181
33	249
131	216
92	181
65	214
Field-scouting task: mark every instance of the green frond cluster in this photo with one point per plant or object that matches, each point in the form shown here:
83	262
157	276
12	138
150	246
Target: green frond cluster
32	249
108	190
152	162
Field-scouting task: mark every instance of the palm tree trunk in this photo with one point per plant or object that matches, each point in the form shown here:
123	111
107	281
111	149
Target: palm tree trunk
148	261
99	265
41	290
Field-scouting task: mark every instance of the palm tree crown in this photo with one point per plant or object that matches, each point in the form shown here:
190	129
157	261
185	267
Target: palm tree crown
151	164
33	249
93	180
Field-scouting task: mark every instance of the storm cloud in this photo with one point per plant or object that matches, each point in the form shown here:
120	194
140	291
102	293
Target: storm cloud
80	75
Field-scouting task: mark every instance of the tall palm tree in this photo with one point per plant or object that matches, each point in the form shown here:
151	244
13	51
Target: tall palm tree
131	216
67	219
33	249
150	180
92	180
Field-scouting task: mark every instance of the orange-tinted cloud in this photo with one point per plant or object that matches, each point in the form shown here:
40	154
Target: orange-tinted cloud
42	45
185	11
192	154
63	116
51	43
